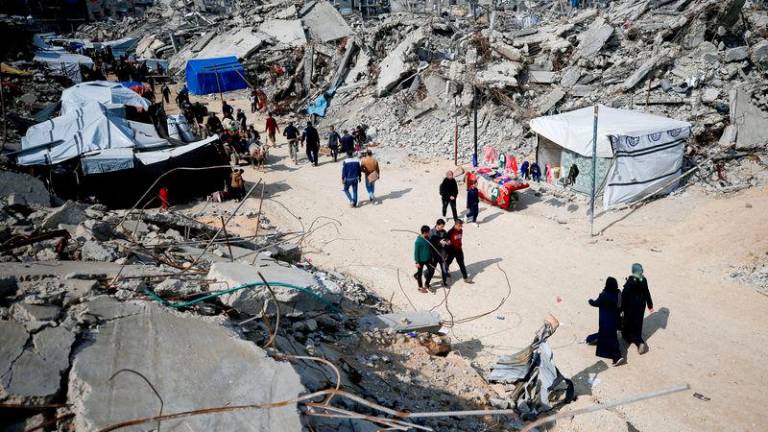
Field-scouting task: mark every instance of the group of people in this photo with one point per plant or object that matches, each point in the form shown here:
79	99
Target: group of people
449	193
621	310
435	248
354	169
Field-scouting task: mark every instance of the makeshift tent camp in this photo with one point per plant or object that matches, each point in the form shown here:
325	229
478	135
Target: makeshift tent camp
637	152
104	92
90	128
64	63
215	75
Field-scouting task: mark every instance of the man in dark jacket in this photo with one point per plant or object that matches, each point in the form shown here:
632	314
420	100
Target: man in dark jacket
312	139
422	256
350	177
473	202
213	124
227	110
606	339
449	190
634	299
333	142
438	237
292	135
347	143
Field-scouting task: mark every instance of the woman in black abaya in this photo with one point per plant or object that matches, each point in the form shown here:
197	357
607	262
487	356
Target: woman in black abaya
606	337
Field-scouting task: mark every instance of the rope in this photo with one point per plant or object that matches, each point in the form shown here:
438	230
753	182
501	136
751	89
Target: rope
184	304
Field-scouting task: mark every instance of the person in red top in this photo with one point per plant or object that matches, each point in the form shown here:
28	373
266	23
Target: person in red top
163	195
455	250
271	128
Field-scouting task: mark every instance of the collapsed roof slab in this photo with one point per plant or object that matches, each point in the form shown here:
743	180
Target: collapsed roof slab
288	32
194	363
324	22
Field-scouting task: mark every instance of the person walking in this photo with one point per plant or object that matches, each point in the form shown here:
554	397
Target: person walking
213	124
333	143
243	122
370	167
347	142
291	133
237	184
271	128
438	237
254	99
166	92
454	249
422	256
350	177
226	110
473	202
311	138
606	338
449	190
634	299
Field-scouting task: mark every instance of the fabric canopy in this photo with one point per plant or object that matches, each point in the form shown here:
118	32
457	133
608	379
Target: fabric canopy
64	63
104	92
573	130
215	75
90	128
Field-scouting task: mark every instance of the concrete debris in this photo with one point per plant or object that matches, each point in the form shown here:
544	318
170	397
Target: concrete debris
548	101
748	120
69	214
593	40
398	63
404	322
324	22
25	187
152	342
499	75
736	54
287	32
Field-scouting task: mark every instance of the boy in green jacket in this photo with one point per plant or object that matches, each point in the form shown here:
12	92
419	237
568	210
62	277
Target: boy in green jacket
422	255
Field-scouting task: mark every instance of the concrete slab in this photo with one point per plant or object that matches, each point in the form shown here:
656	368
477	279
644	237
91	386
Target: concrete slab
541	77
403	322
80	269
749	121
252	301
239	42
68	214
288	32
499	75
398	63
324	22
548	101
593	40
35	375
30	188
193	363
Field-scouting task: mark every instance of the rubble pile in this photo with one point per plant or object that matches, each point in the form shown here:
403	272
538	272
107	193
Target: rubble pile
95	301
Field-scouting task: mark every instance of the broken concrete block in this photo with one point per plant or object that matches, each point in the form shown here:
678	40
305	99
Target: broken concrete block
35	375
35	317
191	362
398	63
24	186
436	86
709	94
94	230
77	289
95	251
135	229
499	75
251	300
593	40
749	120
570	77
541	77
288	32
548	101
736	54
759	54
68	214
507	51
403	322
324	22
728	138
641	72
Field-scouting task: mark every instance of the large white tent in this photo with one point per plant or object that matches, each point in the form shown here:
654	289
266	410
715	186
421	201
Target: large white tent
64	63
637	152
104	92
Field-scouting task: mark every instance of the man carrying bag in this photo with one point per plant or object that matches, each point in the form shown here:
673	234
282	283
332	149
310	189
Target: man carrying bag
370	167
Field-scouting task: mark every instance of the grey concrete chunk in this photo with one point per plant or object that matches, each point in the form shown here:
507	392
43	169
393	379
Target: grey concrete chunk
95	251
749	120
193	363
68	214
641	72
570	77
25	186
13	337
548	101
403	322
593	40
499	75
35	316
736	54
759	54
288	32
399	62
324	22
36	374
541	77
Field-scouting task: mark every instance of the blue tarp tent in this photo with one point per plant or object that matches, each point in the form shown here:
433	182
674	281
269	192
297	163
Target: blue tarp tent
215	75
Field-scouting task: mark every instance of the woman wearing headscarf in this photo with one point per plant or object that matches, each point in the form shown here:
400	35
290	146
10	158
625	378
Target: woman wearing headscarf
634	299
606	338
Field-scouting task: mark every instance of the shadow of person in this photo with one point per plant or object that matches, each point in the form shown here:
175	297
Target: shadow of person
476	268
393	194
491	217
584	380
654	322
468	348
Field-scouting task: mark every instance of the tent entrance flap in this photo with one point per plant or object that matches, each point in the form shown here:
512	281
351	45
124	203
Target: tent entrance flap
215	75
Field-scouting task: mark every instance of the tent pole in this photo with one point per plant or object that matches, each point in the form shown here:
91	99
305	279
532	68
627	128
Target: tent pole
221	95
594	176
474	106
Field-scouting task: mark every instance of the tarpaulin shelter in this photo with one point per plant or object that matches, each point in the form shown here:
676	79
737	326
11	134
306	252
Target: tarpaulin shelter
119	46
636	152
215	75
103	92
64	63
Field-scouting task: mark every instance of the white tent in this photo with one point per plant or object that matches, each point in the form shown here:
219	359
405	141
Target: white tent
64	63
83	130
104	92
638	152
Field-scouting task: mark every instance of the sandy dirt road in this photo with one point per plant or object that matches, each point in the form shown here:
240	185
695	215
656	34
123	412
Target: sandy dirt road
708	330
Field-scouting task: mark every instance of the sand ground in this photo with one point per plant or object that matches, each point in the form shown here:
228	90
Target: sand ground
708	331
